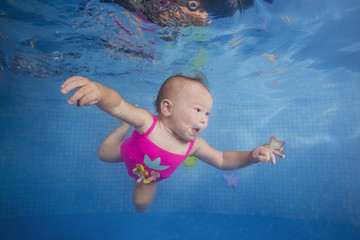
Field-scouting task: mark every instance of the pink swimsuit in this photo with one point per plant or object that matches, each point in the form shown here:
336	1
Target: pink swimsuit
147	162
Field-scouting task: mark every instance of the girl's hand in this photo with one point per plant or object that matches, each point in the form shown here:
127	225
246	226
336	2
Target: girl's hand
88	92
266	154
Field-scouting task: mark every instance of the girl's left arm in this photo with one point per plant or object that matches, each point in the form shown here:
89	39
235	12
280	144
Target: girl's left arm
230	160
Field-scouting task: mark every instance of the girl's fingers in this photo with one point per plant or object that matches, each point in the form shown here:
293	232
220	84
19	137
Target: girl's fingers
267	154
68	81
79	94
73	78
264	159
279	154
72	83
88	99
278	151
277	148
272	157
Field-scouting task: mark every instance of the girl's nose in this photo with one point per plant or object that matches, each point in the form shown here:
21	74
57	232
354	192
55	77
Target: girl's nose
203	120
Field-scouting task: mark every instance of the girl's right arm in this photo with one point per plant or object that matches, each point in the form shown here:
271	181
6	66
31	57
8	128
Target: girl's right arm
91	93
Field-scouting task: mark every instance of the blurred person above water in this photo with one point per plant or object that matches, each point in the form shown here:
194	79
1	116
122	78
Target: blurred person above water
183	12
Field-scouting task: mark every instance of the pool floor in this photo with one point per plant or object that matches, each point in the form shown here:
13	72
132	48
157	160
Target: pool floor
172	226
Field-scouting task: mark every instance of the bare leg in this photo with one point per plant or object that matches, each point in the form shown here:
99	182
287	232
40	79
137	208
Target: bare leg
143	195
109	150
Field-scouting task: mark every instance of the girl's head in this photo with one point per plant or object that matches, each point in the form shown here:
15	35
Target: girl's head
183	105
173	84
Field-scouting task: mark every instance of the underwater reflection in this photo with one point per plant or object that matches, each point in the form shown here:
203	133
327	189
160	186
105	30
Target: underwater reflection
169	13
124	34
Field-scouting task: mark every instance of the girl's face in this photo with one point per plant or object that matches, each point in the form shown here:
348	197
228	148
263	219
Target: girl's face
191	108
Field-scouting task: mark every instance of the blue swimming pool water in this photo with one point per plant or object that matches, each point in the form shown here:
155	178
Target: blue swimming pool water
289	69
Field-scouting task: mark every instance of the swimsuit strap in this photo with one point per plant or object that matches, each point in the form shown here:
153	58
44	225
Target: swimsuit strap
152	126
190	147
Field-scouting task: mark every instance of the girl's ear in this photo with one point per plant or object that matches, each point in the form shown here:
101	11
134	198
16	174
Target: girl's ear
166	107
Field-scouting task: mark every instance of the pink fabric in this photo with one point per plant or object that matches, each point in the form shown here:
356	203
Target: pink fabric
144	20
157	163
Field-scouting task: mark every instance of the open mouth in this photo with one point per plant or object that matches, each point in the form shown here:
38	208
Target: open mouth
195	131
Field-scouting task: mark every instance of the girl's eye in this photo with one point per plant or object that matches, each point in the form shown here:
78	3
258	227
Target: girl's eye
198	110
193	5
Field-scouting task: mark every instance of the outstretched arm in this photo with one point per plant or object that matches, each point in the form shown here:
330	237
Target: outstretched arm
93	93
229	160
